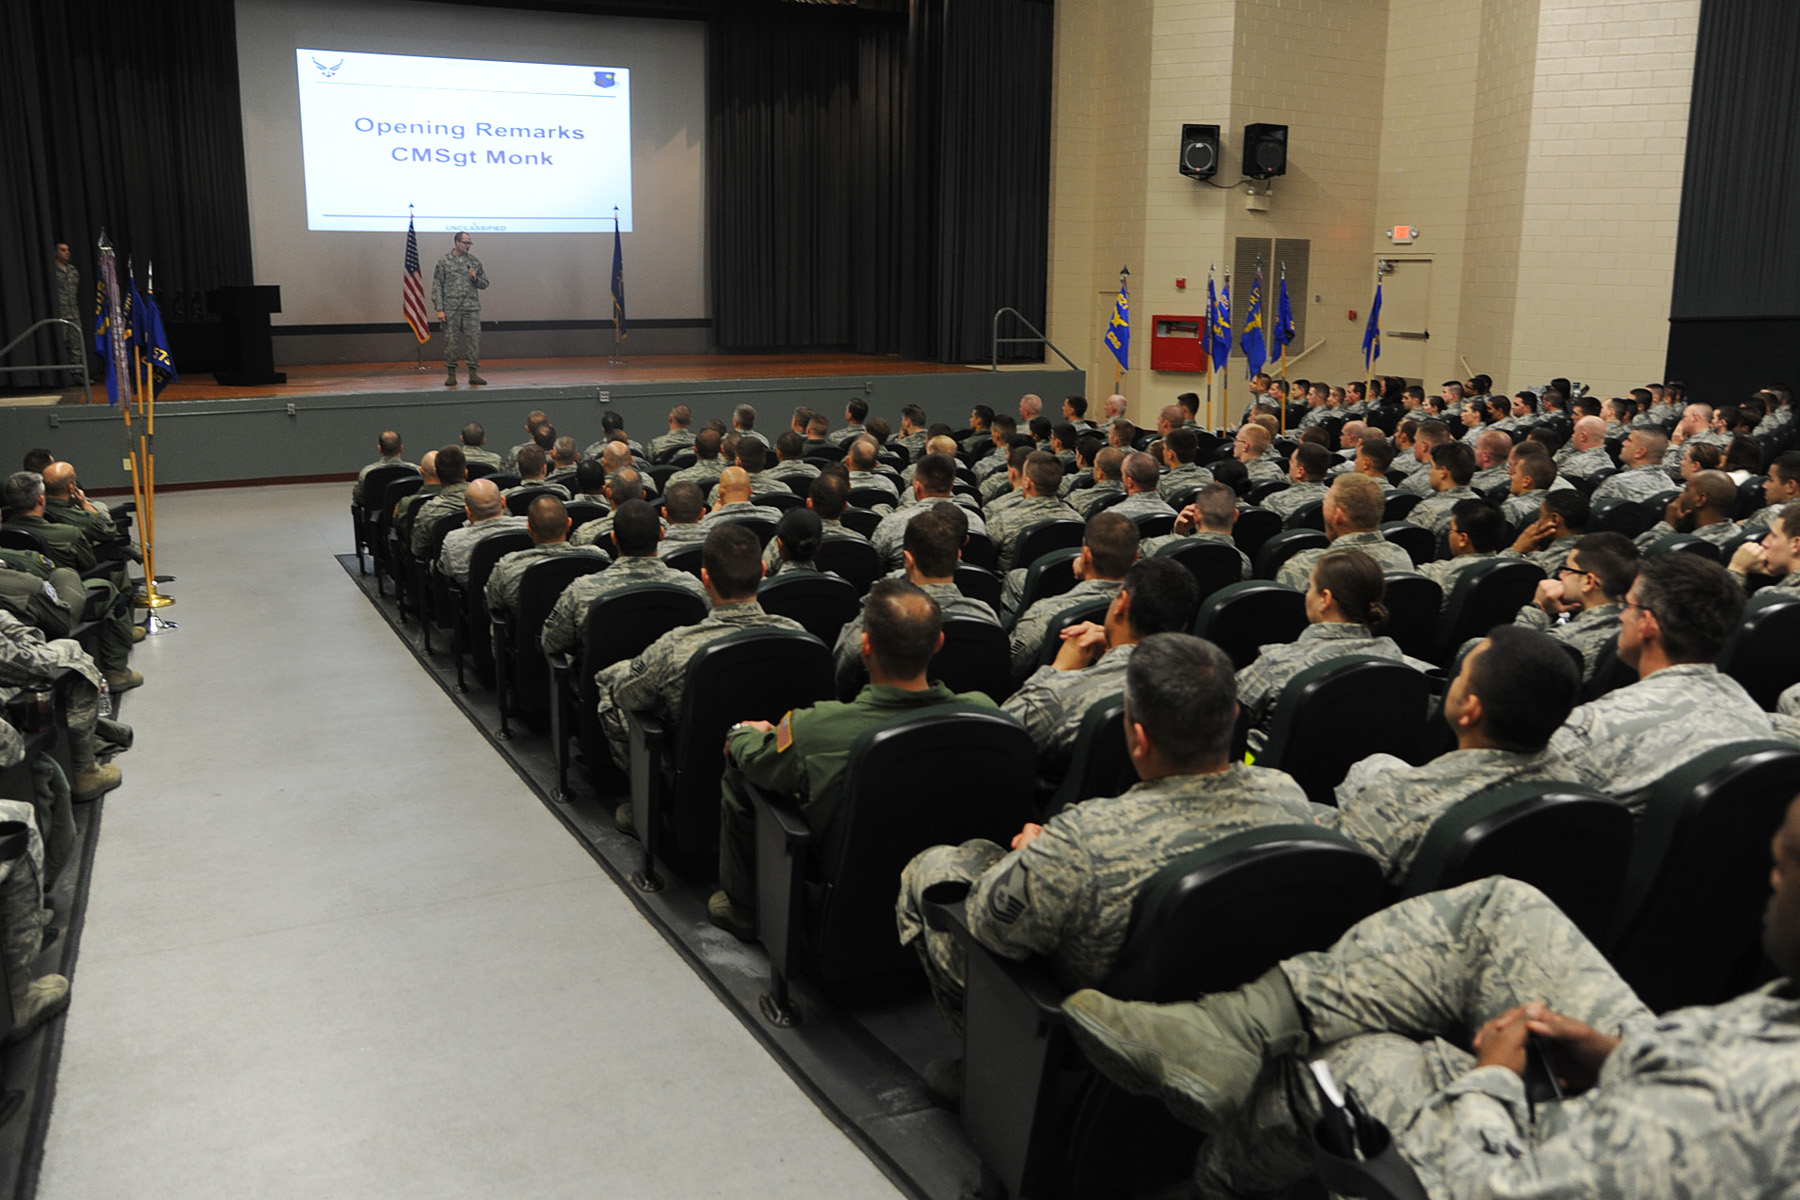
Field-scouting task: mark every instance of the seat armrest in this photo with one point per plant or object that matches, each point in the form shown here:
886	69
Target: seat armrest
649	753
782	841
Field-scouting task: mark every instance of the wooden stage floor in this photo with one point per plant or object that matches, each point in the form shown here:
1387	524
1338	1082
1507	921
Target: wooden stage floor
350	379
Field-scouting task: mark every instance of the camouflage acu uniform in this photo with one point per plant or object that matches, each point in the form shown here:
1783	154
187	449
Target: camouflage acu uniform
1090	500
1446	571
1259	684
1388	806
23	916
679	537
445	502
1550	558
670	444
1293	498
1052	703
1142	504
1007	528
1417	484
1637	483
459	544
1296	572
589	533
911	447
1074	481
1761	521
805	758
1718	533
1179	480
1701	1102
791	468
762	483
1033	625
1434	514
874	479
1590	631
847	653
1583	463
890	536
356	493
481	454
1677	451
1629	738
653	680
1156	545
1069	892
705	472
502	592
562	629
994	461
1264	470
68	307
26	659
1524	508
458	297
848	433
994	487
742	510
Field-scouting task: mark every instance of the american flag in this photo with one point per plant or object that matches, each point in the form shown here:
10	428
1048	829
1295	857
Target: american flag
412	288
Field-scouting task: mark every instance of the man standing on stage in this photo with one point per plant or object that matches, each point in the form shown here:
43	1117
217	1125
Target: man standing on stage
456	294
68	302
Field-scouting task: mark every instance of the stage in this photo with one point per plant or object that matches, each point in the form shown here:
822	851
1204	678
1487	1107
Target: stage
322	423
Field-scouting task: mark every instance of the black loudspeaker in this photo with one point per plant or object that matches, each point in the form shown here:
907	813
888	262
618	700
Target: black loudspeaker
1199	151
1265	150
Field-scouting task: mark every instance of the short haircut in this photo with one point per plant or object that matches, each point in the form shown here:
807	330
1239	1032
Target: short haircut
1183	691
1064	432
1497	442
590	475
1788	519
1612	558
1481	523
789	445
682	415
935	540
388	443
903	623
1233	474
531	461
1004	426
830	493
863	453
1355	582
706	444
1216	503
548	519
802	417
452	465
1140	468
1379	451
1571	504
626	484
1164	596
1111	462
913	413
566	449
1314	460
1040	428
544	437
1696	603
472	435
483	500
799	531
1528	685
1540	469
936	473
1089	448
1113	542
744	416
1654	440
817	427
684	501
1077	405
1457	459
635	528
1045	471
857	409
732	557
1432	433
1360	499
1787	466
752	455
1183	443
984	414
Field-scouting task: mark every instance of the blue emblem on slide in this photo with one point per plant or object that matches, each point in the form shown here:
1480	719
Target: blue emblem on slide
604	79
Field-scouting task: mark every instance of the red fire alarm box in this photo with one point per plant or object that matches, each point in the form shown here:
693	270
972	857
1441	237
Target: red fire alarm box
1177	344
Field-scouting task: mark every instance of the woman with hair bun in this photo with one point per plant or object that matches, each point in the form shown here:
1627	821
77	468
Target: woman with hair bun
1344	605
797	538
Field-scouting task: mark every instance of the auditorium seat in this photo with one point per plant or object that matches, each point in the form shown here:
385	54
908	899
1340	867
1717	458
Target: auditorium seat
1212	564
1100	762
852	558
1308	516
861	520
1262	491
869	497
1244	617
1485	595
1154	524
976	657
1764	653
979	550
362	516
1414	604
1277	550
822	603
380	549
687	558
468	603
1041	539
521	674
1684	543
1049	575
1042	1120
1310	738
1397	504
1254	527
825	897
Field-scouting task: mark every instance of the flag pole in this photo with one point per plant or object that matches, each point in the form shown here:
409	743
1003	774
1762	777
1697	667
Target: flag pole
151	599
418	346
1226	388
616	286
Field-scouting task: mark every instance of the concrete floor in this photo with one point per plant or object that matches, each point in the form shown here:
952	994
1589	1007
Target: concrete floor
335	948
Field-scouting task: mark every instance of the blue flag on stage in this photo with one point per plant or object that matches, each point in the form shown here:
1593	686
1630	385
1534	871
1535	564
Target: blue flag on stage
1256	350
1118	330
112	328
1372	333
1284	325
618	282
155	343
1220	336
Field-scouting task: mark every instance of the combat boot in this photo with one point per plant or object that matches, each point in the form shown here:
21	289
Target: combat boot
1200	1058
38	1001
93	782
476	380
450	377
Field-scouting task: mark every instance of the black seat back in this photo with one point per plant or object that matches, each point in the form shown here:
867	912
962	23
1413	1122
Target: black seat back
1486	595
1309	737
979	583
1414	604
975	657
1242	618
1416	540
1046	536
824	604
862	520
1764	653
1283	546
1100	763
1212	564
540	586
851	558
1310	515
1254	527
1684	543
1049	575
1629	517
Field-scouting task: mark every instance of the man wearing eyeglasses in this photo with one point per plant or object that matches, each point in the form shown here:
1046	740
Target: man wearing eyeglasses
456	287
1590	589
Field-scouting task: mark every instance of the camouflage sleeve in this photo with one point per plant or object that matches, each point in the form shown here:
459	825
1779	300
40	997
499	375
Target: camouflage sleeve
1027	641
437	287
1257	690
1533	617
558	636
481	279
639	688
1038	708
12	745
1021	905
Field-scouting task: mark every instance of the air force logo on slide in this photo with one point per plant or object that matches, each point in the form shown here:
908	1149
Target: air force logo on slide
604	79
326	71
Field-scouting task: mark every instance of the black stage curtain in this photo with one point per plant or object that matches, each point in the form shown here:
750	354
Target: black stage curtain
1738	248
122	116
875	180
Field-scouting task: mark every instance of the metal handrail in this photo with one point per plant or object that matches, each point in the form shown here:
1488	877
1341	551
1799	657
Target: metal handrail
997	339
79	367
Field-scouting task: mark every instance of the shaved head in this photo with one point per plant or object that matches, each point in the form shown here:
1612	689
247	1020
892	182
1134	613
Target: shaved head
483	500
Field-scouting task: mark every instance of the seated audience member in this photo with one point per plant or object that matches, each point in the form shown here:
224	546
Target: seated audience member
1677	616
1252	447
637	531
1780	489
487	517
612	428
547	521
450	499
752	456
1346	614
1306	471
1108	548
855	412
1703	509
1492	449
731	573
1428	437
1516	688
1452	466
475	449
534	479
1590	589
1038	504
1004	429
622	486
66	504
1108	476
1180	454
981	420
684	506
1532	474
933	547
589	481
1157	595
934	479
861	459
796	541
1352	510
560	469
535	421
910	441
818	431
1210	518
1067	889
1476	534
1004	488
29	660
392	454
1642	475
790	456
1777	553
1585	456
807	752
707	463
1081	479
1562	519
679	437
743	421
735	502
1142	495
407	507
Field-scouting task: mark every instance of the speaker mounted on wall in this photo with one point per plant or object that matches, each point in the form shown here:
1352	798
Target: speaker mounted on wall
1199	151
1265	150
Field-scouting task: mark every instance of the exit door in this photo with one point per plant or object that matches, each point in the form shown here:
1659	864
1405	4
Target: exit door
1405	323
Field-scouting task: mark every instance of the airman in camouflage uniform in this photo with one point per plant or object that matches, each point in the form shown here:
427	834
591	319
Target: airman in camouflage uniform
1038	504
1297	570
503	585
1434	514
1141	504
562	629
1260	684
27	660
68	303
1090	500
23	917
1051	704
1591	631
456	286
1183	477
1028	632
459	546
392	455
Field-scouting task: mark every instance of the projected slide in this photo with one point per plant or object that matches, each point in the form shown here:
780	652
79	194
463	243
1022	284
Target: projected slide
489	147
